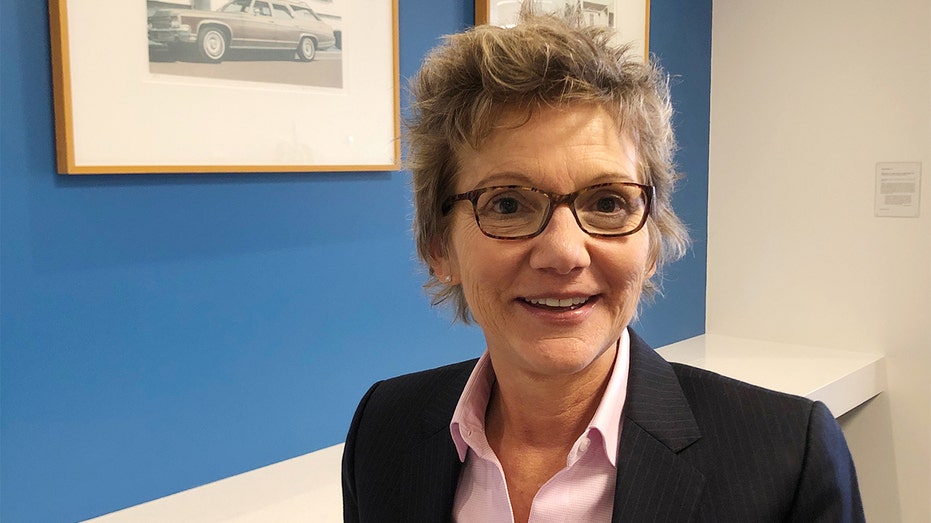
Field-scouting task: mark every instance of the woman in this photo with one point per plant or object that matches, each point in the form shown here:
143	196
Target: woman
542	169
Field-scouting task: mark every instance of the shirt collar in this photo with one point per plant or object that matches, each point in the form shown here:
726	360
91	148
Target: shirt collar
469	415
470	411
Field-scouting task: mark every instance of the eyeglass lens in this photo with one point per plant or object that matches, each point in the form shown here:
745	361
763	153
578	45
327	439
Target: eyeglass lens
609	209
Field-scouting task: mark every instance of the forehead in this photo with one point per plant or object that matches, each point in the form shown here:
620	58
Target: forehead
559	148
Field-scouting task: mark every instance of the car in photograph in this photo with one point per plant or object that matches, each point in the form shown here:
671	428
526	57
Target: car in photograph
242	25
330	12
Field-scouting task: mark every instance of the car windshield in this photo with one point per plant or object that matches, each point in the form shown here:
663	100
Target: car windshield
236	6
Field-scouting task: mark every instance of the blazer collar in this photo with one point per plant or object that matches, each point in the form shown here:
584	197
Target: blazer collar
439	409
434	472
653	482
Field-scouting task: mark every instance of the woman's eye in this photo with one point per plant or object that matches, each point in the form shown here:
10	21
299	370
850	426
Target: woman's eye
505	205
609	204
510	203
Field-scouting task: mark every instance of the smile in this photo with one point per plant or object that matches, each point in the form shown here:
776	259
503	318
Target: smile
557	303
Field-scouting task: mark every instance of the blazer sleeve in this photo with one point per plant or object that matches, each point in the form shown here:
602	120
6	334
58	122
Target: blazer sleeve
827	490
350	499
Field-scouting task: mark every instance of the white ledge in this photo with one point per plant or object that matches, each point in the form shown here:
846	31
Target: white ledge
307	488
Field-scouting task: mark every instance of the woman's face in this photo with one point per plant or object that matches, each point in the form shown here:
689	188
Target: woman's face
511	286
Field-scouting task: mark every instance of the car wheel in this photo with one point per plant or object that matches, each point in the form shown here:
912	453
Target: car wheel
307	49
211	44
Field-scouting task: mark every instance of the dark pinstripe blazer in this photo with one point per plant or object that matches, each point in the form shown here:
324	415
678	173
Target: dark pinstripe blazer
694	446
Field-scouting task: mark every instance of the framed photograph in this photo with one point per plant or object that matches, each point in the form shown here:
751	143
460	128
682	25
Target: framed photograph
182	86
629	18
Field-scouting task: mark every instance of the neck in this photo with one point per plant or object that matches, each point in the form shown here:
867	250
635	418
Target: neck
546	412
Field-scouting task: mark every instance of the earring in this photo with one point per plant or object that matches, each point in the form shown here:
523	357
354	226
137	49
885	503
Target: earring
447	279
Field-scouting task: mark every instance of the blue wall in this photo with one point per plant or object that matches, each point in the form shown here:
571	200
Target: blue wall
161	332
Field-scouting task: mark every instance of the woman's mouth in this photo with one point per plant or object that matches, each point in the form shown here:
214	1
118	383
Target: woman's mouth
557	304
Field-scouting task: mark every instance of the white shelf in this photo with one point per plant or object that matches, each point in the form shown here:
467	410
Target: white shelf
841	379
307	488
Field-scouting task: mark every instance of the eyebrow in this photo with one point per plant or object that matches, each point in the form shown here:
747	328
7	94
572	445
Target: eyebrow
504	178
519	178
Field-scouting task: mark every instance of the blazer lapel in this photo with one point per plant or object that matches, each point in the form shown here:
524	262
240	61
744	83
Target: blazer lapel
432	479
653	482
433	471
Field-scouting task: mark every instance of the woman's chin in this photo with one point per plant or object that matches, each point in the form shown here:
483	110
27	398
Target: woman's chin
552	357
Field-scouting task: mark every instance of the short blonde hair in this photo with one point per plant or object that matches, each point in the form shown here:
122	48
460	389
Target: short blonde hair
463	85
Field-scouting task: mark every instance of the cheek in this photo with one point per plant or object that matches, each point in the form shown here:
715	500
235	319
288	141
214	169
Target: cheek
626	286
458	257
628	269
483	279
465	244
483	268
646	255
480	301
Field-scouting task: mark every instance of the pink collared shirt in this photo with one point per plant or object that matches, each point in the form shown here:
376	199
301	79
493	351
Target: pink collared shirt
583	491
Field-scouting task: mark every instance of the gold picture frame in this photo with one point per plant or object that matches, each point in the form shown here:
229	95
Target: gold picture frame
116	112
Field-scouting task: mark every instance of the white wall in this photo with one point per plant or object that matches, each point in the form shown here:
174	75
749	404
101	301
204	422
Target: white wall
806	98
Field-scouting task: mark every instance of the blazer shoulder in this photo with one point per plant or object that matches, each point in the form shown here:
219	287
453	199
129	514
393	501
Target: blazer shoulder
745	428
401	430
422	400
784	452
423	386
704	385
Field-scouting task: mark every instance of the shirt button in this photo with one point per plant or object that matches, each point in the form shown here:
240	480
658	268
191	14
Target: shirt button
584	444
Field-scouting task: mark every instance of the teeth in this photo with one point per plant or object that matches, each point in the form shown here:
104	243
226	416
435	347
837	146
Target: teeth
555	302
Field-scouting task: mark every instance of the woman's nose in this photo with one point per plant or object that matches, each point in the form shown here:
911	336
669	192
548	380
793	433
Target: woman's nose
562	246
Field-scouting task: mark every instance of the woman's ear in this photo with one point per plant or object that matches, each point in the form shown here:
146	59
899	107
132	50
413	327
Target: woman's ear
651	270
439	262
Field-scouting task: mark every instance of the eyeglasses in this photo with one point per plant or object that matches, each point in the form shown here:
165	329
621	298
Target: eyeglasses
512	212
